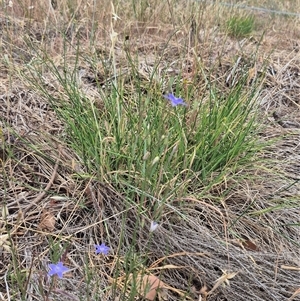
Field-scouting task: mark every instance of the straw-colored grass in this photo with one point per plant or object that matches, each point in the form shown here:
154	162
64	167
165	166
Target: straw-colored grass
91	152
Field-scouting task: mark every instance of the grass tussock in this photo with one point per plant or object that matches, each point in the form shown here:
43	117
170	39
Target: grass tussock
178	201
240	27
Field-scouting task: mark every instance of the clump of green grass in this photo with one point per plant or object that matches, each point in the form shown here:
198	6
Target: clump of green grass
139	139
240	26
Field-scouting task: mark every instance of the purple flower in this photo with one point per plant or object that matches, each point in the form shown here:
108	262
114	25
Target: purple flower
174	100
103	249
57	269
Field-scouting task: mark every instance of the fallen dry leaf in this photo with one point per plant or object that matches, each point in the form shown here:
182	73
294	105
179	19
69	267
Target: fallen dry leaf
4	242
47	221
203	293
149	286
296	293
203	289
224	279
245	244
249	245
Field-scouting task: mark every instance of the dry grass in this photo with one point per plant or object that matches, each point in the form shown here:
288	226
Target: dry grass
249	224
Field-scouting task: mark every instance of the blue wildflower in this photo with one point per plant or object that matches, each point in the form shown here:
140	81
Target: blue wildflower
57	269
153	226
103	249
174	100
